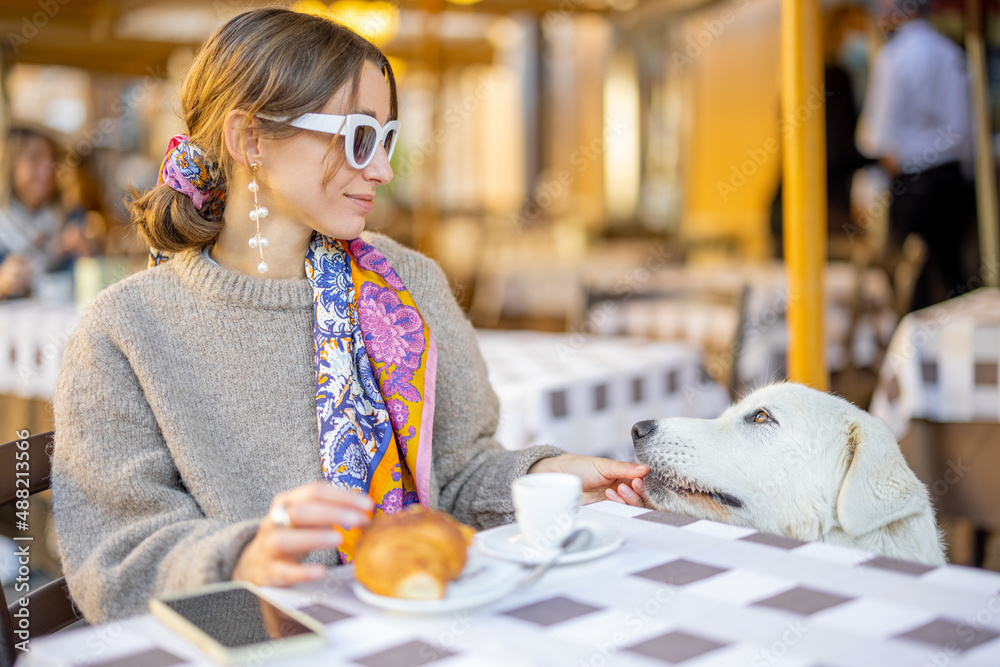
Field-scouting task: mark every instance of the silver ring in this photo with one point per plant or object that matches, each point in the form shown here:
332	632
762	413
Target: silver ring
279	516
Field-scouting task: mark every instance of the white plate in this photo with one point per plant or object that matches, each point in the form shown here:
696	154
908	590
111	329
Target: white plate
507	542
482	581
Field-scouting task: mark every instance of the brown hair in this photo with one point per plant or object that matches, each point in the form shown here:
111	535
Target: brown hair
271	61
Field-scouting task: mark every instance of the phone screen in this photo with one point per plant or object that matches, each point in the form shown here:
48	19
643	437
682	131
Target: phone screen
236	618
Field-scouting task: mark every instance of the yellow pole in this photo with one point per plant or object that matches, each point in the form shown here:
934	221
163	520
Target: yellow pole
804	190
986	175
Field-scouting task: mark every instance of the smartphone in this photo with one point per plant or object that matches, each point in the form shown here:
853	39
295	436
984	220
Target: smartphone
234	622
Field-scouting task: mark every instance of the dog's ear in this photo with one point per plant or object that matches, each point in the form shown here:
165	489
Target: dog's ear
879	488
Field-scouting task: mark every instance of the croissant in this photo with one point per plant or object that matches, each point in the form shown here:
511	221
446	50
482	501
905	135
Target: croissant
412	554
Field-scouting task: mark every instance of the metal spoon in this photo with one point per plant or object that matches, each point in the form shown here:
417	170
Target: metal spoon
578	540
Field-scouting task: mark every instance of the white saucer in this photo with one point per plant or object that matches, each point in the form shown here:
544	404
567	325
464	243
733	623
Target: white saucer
506	542
482	581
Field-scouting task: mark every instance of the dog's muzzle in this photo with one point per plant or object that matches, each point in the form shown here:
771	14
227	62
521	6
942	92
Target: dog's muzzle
641	429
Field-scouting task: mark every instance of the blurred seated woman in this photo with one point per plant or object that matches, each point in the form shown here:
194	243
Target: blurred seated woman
34	236
238	410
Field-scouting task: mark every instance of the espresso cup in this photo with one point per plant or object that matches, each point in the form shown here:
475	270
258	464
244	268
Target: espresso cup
546	506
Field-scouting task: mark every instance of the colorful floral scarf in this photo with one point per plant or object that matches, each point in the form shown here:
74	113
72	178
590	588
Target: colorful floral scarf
375	371
376	365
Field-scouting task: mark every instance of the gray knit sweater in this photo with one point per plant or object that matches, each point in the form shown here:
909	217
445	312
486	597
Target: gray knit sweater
187	399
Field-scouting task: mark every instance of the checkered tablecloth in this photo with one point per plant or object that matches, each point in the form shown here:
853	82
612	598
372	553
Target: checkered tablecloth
941	364
584	393
679	592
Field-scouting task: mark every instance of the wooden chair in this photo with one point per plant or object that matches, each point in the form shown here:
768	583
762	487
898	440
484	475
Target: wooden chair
50	607
903	268
854	382
906	270
721	362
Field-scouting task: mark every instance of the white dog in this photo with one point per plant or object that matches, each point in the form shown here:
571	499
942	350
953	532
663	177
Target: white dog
792	461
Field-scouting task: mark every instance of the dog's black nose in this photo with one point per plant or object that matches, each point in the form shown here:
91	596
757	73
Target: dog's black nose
642	429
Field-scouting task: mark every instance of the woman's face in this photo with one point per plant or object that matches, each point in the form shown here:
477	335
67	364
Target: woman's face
34	173
293	169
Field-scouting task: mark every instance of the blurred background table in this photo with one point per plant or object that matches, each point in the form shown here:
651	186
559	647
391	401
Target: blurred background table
938	390
584	393
581	393
32	335
736	314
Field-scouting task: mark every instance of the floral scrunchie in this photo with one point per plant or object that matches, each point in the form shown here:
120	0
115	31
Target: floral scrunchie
188	170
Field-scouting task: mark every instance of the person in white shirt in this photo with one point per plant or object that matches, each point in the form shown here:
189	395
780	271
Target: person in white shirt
916	122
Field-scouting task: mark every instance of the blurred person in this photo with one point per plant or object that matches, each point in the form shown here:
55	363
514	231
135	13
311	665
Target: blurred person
239	409
34	235
83	201
916	122
844	54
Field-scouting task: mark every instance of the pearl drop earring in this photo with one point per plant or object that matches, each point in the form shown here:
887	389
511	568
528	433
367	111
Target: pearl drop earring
257	214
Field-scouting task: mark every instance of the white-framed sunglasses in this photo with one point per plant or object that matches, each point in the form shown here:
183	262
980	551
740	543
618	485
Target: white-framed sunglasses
362	133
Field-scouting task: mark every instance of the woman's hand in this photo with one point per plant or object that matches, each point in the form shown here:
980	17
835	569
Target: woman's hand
274	557
73	242
15	276
603	479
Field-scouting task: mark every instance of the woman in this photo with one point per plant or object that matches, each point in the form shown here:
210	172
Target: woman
237	411
33	237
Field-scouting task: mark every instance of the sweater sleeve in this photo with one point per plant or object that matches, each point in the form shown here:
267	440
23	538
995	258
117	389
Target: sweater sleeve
127	527
472	470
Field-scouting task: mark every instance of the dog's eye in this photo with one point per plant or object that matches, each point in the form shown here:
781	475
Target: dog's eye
762	417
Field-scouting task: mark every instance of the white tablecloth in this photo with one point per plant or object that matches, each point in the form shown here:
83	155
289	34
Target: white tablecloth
679	591
584	393
32	336
942	364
